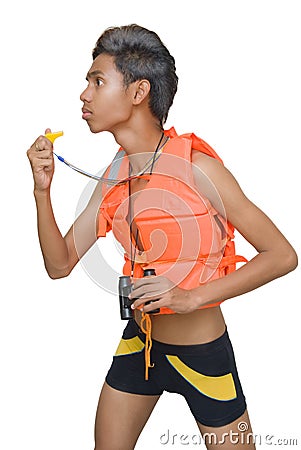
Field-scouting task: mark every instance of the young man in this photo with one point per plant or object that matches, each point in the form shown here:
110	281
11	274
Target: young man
173	211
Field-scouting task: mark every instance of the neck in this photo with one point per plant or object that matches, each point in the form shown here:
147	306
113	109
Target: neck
139	143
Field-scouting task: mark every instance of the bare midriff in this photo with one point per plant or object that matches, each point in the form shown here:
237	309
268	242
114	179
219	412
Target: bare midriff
197	327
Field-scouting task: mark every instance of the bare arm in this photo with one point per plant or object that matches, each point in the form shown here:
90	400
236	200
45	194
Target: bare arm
275	258
60	253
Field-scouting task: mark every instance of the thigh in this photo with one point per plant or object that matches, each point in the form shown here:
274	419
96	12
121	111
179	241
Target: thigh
208	379
120	418
237	435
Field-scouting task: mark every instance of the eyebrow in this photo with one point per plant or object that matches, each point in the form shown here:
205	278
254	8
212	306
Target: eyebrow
94	74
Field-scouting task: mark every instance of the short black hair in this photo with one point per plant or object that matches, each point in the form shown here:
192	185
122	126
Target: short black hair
140	54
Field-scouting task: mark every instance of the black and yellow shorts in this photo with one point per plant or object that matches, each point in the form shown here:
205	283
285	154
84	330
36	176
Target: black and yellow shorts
205	374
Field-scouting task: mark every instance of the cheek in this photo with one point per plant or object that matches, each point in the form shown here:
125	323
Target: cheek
120	98
116	104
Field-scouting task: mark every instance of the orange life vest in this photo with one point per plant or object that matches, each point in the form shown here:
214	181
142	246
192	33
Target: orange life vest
183	236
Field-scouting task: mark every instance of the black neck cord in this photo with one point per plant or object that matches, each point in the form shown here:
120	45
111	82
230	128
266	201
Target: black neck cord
133	251
155	152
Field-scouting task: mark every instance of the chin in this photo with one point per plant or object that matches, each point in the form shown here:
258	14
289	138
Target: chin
94	129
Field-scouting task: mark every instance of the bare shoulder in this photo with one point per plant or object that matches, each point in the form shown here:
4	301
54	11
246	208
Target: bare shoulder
219	177
247	218
197	157
209	165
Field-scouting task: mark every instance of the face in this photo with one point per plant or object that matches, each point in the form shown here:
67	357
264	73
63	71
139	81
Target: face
107	103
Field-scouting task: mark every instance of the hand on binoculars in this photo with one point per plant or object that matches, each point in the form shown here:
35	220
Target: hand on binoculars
163	293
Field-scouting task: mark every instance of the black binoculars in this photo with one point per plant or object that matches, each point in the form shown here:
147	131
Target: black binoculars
125	288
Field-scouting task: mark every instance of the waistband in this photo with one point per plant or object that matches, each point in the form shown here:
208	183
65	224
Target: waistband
175	349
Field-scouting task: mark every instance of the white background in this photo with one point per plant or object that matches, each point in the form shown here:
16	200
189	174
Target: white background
239	69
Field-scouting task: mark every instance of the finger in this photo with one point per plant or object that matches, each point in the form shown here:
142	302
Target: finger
152	306
44	154
48	130
144	298
151	290
144	282
155	303
145	291
44	163
42	143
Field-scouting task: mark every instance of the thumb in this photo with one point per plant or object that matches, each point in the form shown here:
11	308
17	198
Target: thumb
48	130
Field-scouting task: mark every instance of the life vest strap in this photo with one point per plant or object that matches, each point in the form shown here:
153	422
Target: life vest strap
231	259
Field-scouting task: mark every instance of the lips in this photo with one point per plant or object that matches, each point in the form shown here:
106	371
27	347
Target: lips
86	113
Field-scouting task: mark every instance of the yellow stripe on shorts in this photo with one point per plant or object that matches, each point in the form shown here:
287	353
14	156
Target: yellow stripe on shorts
220	387
128	346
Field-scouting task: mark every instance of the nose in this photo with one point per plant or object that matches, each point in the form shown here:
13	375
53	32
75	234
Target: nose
86	96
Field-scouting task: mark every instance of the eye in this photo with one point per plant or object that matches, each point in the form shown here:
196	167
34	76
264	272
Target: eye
99	82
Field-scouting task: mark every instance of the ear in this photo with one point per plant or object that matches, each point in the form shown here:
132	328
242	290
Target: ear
141	91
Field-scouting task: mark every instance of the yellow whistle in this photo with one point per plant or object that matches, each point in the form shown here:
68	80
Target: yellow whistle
52	136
